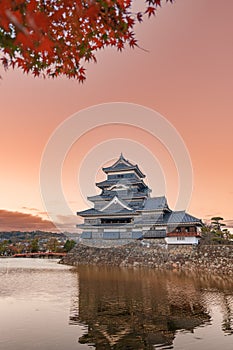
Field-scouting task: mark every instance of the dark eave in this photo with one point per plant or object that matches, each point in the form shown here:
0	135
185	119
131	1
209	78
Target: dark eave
108	183
124	168
98	213
107	197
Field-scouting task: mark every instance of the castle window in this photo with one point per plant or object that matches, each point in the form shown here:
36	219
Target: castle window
116	221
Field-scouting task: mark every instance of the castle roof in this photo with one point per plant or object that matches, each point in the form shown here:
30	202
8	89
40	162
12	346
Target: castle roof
94	212
123	181
156	203
181	217
115	207
110	194
123	164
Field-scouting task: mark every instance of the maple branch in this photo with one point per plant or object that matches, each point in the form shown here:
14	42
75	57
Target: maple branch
55	37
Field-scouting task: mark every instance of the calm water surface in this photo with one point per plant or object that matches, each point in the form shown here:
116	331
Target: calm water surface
47	306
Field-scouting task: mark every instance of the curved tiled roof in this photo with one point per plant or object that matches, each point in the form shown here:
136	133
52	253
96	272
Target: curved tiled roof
123	164
123	181
94	212
182	217
104	197
156	203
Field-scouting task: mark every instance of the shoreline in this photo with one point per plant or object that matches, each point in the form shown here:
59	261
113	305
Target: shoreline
214	259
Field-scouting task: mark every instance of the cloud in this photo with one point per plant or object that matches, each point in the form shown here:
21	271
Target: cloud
33	209
229	223
213	215
68	219
68	222
18	221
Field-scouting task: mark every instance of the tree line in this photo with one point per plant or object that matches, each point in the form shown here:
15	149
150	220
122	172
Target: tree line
216	233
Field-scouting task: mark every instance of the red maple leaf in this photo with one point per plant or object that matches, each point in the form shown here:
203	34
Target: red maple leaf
133	42
151	11
139	17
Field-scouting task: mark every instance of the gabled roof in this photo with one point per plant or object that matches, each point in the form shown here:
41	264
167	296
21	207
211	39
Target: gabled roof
123	164
182	217
156	203
107	196
116	205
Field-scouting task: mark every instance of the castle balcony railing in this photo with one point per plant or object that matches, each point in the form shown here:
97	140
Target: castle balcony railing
184	234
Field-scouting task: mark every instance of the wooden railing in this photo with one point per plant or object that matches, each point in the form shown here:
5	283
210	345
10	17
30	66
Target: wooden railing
183	234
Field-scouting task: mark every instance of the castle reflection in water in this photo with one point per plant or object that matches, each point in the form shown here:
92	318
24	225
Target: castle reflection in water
140	309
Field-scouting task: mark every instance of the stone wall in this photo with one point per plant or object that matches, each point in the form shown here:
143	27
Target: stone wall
217	259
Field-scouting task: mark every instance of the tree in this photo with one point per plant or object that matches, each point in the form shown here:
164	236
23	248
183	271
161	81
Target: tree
52	245
69	245
220	235
34	246
214	234
227	235
206	234
55	37
215	222
4	247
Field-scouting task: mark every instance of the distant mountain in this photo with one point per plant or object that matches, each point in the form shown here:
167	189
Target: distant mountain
19	235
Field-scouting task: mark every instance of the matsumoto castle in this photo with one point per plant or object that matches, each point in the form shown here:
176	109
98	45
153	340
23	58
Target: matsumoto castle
124	210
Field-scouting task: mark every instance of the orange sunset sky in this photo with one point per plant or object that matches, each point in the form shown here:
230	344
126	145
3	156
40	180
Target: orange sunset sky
186	75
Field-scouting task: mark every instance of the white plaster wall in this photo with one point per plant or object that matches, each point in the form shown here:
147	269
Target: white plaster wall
185	240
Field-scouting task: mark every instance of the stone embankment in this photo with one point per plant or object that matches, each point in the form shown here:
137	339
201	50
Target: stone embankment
215	259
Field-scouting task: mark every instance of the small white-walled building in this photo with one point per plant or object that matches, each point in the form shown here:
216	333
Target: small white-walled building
182	240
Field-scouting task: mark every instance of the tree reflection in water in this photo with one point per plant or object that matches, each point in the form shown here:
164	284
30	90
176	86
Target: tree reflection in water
136	309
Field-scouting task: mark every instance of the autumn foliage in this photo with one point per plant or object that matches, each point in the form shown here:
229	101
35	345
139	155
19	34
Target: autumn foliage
56	37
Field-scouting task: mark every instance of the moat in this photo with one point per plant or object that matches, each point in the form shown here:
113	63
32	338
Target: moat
45	305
